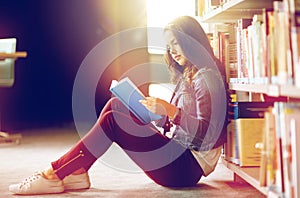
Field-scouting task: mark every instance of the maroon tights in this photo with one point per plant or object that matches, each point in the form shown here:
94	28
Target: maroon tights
164	160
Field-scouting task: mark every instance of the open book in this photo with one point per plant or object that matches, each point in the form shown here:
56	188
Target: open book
128	93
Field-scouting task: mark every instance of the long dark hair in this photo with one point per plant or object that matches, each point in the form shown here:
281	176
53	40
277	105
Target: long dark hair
196	47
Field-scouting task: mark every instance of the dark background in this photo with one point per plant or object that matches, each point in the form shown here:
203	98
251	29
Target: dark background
57	35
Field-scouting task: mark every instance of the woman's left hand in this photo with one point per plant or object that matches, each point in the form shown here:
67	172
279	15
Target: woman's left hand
159	106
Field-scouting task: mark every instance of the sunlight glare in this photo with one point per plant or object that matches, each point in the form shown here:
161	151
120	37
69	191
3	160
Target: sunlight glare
160	12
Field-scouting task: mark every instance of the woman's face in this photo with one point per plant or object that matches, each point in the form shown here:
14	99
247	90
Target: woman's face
174	48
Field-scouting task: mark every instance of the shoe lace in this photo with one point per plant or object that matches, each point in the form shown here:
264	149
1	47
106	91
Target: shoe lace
26	182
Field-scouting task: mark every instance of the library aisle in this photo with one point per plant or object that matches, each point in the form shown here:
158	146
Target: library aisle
39	146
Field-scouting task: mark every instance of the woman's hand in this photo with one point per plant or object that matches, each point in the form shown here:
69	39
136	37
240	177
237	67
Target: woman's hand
159	106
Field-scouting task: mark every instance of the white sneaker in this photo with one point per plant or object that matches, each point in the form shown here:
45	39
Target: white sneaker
77	182
37	184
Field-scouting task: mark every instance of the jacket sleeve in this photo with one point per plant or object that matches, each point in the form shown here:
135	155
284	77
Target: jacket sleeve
206	126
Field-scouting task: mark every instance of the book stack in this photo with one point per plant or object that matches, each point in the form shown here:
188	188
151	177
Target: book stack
281	172
249	134
225	49
268	46
245	131
242	48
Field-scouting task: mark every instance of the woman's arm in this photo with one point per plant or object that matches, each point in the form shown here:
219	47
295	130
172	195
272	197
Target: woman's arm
159	106
195	120
211	106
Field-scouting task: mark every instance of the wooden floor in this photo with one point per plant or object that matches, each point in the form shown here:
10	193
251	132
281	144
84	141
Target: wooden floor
113	175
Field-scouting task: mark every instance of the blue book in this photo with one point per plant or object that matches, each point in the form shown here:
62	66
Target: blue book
128	93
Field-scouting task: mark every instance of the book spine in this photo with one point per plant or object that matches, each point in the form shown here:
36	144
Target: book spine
295	138
249	134
295	37
241	39
291	120
257	46
279	182
271	46
271	148
286	114
281	43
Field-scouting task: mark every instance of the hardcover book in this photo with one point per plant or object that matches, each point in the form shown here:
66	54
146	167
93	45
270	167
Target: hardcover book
128	93
249	134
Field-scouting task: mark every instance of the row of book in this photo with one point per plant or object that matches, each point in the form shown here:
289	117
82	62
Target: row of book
264	46
267	135
279	168
267	46
223	42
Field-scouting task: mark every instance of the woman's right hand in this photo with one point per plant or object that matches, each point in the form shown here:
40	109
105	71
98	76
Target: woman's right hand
159	106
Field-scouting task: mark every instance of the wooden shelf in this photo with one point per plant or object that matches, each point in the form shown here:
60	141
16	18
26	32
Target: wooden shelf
14	55
269	89
8	82
257	88
236	9
249	174
289	90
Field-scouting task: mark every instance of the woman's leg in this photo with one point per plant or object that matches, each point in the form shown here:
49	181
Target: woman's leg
163	160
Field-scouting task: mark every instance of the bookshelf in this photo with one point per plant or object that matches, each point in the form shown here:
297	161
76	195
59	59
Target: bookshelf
229	12
258	88
249	174
269	89
233	10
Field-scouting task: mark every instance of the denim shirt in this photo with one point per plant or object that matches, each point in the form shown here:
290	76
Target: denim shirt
201	123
